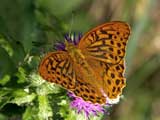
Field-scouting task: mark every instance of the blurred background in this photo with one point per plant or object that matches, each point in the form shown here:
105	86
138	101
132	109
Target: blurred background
30	28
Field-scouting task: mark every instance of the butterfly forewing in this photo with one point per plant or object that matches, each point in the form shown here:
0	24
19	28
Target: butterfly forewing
106	42
57	67
104	50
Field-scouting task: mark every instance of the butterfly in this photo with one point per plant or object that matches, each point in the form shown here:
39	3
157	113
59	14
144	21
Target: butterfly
94	68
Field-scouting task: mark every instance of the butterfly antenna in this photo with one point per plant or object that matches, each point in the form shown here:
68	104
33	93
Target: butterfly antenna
71	24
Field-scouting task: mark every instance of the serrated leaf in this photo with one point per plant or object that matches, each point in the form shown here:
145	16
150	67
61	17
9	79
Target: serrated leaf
30	113
45	110
20	97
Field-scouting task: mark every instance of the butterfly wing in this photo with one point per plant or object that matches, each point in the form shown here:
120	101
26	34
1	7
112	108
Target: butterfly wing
57	67
104	51
114	79
103	67
106	42
89	92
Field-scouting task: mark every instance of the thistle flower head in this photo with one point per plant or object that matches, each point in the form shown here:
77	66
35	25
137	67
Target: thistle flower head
86	107
71	39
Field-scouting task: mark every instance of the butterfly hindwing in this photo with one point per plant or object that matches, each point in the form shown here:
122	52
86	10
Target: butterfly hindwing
114	80
89	92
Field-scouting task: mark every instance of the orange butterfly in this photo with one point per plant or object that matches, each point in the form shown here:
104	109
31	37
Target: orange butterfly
93	69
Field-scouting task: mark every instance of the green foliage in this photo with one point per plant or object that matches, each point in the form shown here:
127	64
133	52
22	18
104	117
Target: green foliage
28	29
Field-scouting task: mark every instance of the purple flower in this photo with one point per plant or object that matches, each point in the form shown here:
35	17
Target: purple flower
86	107
71	39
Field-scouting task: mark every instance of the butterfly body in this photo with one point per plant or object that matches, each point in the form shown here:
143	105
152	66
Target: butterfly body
74	52
84	70
93	69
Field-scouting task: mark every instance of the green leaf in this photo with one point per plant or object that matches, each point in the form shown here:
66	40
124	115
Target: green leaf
43	87
21	74
45	110
6	45
30	113
5	79
5	96
6	64
20	97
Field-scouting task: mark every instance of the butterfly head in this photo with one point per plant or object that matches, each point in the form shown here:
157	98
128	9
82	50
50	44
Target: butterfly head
69	46
73	50
70	42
